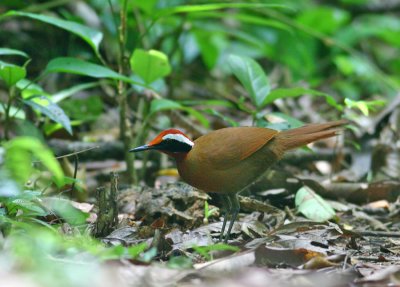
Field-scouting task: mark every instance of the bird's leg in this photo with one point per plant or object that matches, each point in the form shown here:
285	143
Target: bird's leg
226	202
234	210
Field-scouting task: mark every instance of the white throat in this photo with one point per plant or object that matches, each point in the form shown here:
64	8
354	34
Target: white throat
179	138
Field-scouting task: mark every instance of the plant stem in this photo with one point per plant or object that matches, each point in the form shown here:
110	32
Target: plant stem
125	126
11	96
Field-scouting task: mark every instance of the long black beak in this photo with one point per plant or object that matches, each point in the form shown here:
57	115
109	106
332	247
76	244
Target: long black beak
141	148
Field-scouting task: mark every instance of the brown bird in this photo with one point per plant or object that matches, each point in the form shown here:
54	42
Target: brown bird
226	161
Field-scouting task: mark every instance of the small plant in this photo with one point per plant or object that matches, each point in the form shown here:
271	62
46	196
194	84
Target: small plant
208	212
206	251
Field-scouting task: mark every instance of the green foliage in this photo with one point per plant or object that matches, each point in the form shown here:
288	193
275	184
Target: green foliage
45	106
313	206
252	77
50	257
212	7
11	74
206	251
180	262
364	106
64	209
80	67
150	65
296	92
20	153
91	36
165	105
24	205
208	212
7	51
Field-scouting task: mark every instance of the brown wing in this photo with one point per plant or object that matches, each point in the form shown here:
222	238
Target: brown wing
231	145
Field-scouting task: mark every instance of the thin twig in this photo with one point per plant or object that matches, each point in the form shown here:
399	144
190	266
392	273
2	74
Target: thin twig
76	161
71	154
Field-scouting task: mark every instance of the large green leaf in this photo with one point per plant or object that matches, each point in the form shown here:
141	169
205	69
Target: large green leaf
21	151
80	67
9	52
150	65
45	106
66	210
313	206
296	92
252	77
89	35
29	207
11	74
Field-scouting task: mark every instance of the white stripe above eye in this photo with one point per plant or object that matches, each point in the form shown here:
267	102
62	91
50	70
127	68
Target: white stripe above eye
179	138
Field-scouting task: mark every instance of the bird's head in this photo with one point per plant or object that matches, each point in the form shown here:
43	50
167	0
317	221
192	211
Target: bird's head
172	142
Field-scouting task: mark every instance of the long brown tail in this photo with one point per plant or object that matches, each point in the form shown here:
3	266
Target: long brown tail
294	138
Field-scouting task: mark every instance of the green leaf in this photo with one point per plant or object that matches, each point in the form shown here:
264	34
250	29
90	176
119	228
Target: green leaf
135	250
313	206
180	262
50	127
11	74
45	106
213	103
159	105
212	7
14	112
150	65
222	116
89	35
198	116
7	51
293	122
84	109
80	67
147	6
211	45
111	253
252	77
29	89
245	18
363	106
28	206
296	92
61	95
324	19
19	155
66	210
205	250
358	66
149	254
384	27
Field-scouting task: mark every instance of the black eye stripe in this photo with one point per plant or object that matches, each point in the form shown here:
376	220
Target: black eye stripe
174	145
